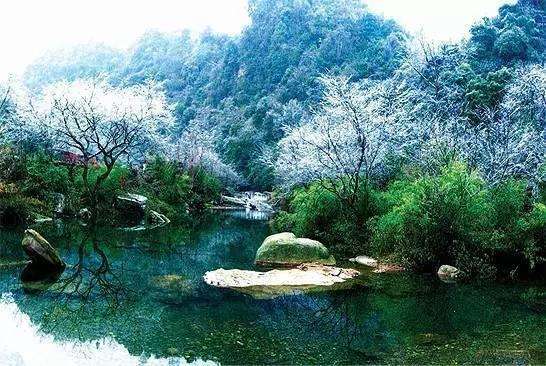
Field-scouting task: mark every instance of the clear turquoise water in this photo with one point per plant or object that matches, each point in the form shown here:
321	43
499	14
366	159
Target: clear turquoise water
111	290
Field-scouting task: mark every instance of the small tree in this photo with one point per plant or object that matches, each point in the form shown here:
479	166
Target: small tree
97	121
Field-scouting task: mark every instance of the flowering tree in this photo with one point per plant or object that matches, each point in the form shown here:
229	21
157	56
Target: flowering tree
345	142
527	95
96	121
196	149
502	146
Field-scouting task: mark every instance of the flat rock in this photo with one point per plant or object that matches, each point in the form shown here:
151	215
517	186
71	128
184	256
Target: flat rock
305	278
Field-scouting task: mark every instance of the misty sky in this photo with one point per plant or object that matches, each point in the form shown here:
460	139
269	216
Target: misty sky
29	27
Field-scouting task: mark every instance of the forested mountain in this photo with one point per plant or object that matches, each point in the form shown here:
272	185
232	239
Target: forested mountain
250	85
246	88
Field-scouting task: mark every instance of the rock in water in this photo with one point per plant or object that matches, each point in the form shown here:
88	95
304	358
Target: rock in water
305	278
448	274
132	207
365	261
42	255
285	249
157	218
84	214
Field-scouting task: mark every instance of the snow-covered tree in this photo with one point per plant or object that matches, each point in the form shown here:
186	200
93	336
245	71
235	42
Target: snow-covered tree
196	149
527	95
502	147
345	142
95	120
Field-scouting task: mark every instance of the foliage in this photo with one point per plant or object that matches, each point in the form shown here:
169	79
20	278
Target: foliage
455	219
317	213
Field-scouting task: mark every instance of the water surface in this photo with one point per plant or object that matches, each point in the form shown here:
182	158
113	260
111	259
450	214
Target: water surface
138	297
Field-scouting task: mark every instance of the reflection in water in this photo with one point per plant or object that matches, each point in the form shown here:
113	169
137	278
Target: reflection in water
142	294
23	344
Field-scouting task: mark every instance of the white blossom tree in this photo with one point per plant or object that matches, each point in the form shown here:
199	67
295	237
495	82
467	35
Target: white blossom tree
97	121
527	95
196	148
503	146
345	142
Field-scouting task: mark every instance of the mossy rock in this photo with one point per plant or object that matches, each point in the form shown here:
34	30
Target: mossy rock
287	250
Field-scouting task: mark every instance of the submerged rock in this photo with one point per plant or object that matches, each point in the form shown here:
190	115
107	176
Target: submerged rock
286	249
42	255
175	283
365	261
305	278
388	268
448	274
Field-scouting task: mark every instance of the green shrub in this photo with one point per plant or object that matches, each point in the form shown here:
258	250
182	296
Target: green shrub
15	208
316	212
454	218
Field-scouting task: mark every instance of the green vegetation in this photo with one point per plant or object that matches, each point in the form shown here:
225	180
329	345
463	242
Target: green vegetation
35	185
425	221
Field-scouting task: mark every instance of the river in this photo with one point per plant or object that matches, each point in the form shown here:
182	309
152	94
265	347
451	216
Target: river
137	298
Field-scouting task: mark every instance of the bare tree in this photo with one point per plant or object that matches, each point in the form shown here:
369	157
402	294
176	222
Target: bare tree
96	121
345	142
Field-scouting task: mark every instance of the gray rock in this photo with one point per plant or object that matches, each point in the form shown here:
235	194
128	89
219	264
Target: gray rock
132	207
365	261
448	274
42	255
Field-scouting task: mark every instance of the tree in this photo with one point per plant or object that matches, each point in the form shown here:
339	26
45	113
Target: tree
503	147
344	144
97	121
527	95
195	149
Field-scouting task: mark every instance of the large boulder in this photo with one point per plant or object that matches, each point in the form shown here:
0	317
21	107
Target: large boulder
448	274
288	250
42	255
305	278
132	207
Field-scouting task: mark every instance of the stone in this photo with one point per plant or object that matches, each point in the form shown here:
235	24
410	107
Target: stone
42	255
263	285
388	268
84	214
448	274
287	250
132	207
157	218
365	261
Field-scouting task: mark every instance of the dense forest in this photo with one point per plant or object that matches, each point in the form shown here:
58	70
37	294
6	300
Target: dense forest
374	140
